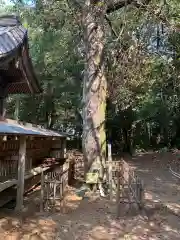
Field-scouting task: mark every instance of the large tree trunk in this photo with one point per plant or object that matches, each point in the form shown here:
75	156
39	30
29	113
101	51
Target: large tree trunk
94	90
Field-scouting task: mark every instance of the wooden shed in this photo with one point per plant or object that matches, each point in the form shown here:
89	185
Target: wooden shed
25	152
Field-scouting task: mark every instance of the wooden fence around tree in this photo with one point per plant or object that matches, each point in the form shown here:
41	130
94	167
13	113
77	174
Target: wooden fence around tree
53	185
121	180
124	185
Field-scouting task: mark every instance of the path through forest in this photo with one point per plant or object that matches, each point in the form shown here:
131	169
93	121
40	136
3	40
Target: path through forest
94	218
161	186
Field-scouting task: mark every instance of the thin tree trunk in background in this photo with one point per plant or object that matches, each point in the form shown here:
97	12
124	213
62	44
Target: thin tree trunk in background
65	113
148	127
17	106
94	89
1	106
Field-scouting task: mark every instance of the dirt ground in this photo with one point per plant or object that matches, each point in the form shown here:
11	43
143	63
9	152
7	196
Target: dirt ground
94	218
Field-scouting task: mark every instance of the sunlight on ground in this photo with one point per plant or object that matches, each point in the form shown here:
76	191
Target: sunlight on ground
93	218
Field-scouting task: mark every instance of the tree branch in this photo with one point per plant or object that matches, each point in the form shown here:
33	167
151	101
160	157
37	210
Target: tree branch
111	26
118	4
76	4
115	5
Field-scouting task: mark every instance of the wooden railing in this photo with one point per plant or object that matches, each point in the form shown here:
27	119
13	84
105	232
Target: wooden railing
36	150
124	185
53	185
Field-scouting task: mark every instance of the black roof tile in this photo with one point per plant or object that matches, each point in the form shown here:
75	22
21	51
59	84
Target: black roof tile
14	44
12	35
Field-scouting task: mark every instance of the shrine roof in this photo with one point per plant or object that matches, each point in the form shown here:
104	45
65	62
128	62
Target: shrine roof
12	35
12	127
15	63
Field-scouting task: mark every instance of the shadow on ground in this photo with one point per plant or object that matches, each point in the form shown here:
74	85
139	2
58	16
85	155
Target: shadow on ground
94	218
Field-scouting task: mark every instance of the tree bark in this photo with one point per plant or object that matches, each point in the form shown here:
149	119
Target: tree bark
95	84
94	88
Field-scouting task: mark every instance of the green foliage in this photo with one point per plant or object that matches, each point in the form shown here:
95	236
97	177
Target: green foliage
54	39
143	70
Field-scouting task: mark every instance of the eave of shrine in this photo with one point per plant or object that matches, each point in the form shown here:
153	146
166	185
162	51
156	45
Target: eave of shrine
16	69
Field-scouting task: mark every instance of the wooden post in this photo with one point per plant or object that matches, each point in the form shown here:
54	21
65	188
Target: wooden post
110	172
141	197
118	194
54	196
64	148
42	192
21	172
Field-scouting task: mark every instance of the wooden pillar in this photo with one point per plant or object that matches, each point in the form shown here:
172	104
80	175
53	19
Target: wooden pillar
64	148
21	173
118	195
110	172
42	192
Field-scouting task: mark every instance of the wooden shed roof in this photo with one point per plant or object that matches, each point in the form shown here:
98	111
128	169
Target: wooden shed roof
12	127
16	68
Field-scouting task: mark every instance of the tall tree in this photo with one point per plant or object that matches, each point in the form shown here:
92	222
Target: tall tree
137	58
95	83
94	87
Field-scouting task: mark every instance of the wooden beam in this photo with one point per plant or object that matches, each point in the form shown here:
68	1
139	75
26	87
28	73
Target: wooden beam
7	184
34	172
21	173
